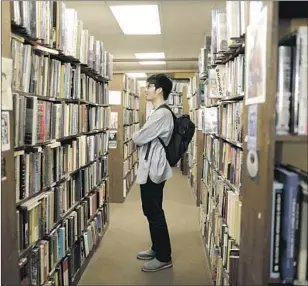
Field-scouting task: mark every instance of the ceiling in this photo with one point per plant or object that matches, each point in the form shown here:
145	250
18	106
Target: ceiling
184	25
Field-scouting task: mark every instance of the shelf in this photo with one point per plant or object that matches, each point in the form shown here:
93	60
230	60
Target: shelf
229	55
67	138
79	273
292	139
20	33
24	252
236	144
237	97
65	177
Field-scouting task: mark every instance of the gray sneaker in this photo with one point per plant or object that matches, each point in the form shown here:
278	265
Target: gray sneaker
155	265
146	255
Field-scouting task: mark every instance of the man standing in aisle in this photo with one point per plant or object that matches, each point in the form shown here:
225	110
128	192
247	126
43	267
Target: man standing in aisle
154	170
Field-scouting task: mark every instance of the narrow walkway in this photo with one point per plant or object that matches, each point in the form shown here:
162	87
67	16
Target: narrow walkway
114	262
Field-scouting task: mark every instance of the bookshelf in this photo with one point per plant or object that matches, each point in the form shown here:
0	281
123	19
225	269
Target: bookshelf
175	100
221	119
283	22
9	252
249	215
60	78
195	147
124	99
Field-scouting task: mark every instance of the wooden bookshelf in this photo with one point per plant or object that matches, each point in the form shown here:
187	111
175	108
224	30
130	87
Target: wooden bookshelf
248	225
9	252
195	147
222	116
283	18
59	137
123	161
142	103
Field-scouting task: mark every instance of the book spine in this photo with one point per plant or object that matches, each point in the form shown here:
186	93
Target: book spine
302	52
275	230
283	104
288	227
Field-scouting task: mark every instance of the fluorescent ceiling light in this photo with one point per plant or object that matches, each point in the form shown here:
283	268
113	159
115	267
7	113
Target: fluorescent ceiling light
149	63
145	56
136	74
137	19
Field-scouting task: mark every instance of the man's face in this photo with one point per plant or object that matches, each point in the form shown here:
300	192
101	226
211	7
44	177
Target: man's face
150	92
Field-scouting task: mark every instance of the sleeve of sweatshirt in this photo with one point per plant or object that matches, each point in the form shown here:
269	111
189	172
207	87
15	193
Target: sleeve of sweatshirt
158	123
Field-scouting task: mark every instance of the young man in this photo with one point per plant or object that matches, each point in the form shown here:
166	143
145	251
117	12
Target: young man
154	170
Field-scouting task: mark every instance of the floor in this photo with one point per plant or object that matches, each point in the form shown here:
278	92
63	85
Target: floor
114	262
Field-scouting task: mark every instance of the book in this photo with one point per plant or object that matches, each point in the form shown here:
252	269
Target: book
275	230
301	225
291	108
290	183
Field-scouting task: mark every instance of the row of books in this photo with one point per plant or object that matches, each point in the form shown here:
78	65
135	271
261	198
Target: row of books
37	121
40	215
233	72
178	86
41	74
225	81
128	148
130	100
231	163
130	176
56	259
289	230
220	213
55	25
175	99
237	13
130	116
231	121
93	118
211	150
37	18
208	120
40	171
291	100
129	163
129	130
130	85
228	25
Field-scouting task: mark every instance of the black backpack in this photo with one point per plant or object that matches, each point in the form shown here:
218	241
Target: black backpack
183	132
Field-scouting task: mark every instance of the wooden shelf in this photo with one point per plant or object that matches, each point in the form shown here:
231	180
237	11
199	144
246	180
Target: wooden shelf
294	139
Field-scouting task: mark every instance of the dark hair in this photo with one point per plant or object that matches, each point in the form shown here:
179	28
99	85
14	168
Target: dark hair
161	81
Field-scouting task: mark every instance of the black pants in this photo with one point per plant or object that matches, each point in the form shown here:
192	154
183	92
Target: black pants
152	206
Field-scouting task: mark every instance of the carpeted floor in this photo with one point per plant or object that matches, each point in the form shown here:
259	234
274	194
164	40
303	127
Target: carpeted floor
114	262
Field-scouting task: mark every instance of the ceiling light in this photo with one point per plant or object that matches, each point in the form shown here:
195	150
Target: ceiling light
136	74
137	19
149	63
145	56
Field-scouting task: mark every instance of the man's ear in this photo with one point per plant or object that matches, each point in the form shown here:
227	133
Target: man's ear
159	90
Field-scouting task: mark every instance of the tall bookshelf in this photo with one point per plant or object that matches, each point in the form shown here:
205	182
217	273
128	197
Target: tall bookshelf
124	95
175	99
249	216
195	146
60	78
284	25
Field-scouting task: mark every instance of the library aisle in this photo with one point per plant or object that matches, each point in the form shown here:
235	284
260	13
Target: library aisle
114	263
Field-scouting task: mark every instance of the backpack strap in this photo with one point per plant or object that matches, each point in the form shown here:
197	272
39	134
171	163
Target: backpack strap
160	140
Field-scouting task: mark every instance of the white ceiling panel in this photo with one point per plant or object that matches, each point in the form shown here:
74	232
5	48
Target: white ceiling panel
184	24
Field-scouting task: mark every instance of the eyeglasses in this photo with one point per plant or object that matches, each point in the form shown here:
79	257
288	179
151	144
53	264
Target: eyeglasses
149	85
